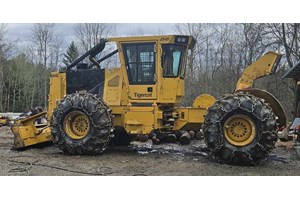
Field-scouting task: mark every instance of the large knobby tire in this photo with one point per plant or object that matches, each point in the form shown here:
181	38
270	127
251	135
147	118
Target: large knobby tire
240	129
81	124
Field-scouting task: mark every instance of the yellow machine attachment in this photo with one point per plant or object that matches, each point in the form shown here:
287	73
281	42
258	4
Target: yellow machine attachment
4	121
29	131
264	66
57	91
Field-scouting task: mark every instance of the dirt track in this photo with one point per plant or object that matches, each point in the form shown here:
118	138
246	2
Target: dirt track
126	161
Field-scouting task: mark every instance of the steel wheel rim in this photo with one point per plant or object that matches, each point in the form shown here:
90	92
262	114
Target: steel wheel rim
239	130
77	125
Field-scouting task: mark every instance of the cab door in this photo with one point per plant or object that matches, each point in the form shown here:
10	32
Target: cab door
140	60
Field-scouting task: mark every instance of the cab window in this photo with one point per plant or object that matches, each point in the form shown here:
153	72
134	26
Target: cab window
140	63
173	60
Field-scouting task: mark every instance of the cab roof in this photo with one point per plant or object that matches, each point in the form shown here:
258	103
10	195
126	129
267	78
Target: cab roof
162	39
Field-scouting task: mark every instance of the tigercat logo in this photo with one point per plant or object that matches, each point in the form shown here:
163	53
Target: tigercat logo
139	95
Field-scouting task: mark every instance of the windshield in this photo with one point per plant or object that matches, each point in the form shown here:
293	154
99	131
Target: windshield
172	60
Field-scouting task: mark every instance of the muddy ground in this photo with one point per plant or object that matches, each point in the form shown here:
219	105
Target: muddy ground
167	159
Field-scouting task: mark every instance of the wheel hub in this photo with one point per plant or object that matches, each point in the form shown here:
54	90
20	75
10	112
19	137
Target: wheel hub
239	130
76	125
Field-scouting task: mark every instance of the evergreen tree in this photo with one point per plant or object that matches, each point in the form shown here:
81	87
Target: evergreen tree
71	55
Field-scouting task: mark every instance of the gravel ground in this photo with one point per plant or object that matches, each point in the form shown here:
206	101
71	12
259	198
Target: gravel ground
139	159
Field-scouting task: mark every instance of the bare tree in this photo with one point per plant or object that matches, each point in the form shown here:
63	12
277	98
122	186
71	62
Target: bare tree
43	37
3	31
56	51
287	36
89	34
220	54
252	41
195	30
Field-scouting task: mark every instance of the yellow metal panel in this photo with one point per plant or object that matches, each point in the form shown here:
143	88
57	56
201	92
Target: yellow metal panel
118	113
195	115
204	101
264	66
141	92
169	89
44	136
26	132
181	88
112	96
57	90
26	135
159	114
113	86
163	39
189	118
3	121
139	120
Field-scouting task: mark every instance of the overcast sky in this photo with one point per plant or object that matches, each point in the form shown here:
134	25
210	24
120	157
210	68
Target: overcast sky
21	32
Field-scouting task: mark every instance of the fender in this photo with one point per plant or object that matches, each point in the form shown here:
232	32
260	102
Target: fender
271	100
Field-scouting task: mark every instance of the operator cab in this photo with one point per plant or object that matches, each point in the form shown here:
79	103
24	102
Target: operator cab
154	66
